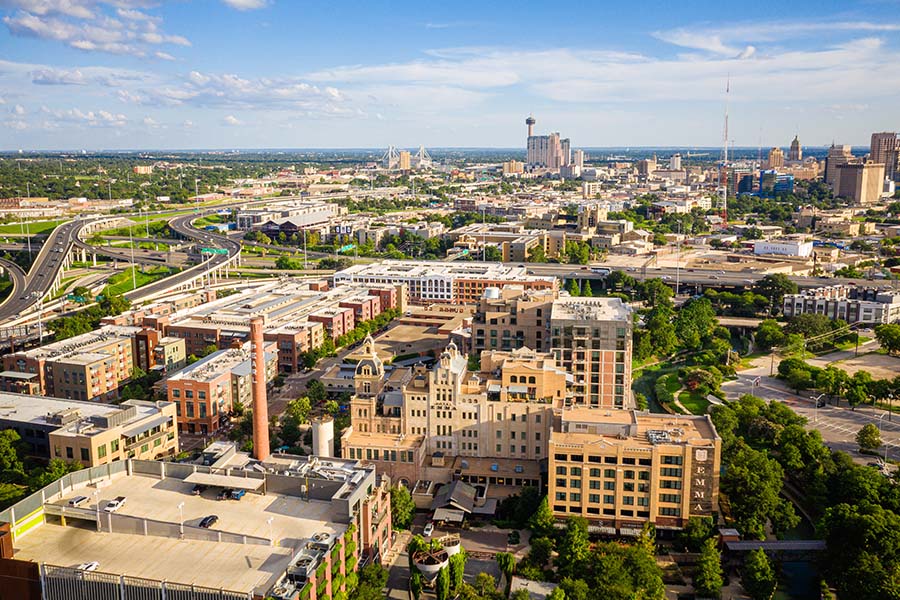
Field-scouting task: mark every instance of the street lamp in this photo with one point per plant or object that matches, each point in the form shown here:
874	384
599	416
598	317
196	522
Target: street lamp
181	520
269	523
815	400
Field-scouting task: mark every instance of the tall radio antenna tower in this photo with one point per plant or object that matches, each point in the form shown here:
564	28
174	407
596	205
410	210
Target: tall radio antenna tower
723	173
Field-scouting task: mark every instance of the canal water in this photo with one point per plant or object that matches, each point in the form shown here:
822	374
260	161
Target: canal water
799	579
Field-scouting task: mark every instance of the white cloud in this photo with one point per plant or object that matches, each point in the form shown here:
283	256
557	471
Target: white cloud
50	76
16	125
89	25
187	124
18	110
100	118
710	38
163	55
150	122
246	4
232	121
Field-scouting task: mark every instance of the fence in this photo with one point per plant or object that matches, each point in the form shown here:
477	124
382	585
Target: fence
65	583
29	512
183	470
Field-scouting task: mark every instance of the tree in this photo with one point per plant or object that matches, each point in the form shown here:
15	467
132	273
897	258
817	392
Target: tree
768	335
299	409
774	287
586	289
403	509
315	389
541	550
868	437
11	467
576	589
415	584
457	570
372	579
573	288
695	322
541	522
520	594
537	254
442	587
889	337
557	594
799	379
485	584
574	548
708	574
696	532
758	577
753	484
507	564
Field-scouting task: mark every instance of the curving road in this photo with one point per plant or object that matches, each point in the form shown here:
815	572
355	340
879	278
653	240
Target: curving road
182	226
47	264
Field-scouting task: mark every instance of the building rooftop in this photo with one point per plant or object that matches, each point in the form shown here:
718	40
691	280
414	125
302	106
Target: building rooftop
82	343
25	408
590	309
592	426
84	358
408	269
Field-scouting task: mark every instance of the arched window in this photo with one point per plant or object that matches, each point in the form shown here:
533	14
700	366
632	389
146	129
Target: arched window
531	379
513	379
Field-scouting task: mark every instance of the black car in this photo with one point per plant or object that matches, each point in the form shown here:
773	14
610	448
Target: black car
198	489
225	494
209	521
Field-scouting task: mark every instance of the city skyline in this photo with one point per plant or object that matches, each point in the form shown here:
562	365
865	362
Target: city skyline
98	74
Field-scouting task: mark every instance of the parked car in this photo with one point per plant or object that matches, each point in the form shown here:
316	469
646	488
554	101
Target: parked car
225	494
429	529
209	521
198	489
238	494
89	566
114	504
78	500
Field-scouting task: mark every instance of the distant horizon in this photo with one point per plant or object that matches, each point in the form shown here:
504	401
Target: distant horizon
382	149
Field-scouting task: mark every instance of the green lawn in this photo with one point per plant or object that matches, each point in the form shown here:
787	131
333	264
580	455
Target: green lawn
851	344
33	227
123	282
694	402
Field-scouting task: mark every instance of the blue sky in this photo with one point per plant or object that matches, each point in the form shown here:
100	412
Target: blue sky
133	74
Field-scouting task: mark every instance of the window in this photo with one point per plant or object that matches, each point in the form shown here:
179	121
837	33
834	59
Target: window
609	485
85	455
563	457
560	470
188	393
114	446
201	395
669	512
575	483
70	454
561	496
594	498
628	500
176	393
673	498
573	497
101	451
609	499
575	471
611	473
561	483
671	460
669	484
670	472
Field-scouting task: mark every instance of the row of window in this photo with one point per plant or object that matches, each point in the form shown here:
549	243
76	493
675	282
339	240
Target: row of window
385	455
176	393
612	460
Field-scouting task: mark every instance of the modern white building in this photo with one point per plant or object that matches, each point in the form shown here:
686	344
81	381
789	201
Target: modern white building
783	247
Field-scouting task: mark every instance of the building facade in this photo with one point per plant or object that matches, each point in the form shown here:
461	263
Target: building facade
622	469
862	183
852	304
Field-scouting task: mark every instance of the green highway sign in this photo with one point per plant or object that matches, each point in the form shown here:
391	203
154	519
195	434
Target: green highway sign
347	247
213	251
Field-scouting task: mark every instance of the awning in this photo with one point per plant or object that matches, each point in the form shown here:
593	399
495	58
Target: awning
518	389
494	387
225	481
449	516
140	428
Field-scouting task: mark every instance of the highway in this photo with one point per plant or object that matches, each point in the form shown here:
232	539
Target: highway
182	226
16	276
687	277
43	272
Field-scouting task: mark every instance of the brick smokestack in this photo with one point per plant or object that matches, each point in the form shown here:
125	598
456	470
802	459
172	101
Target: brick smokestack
260	401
